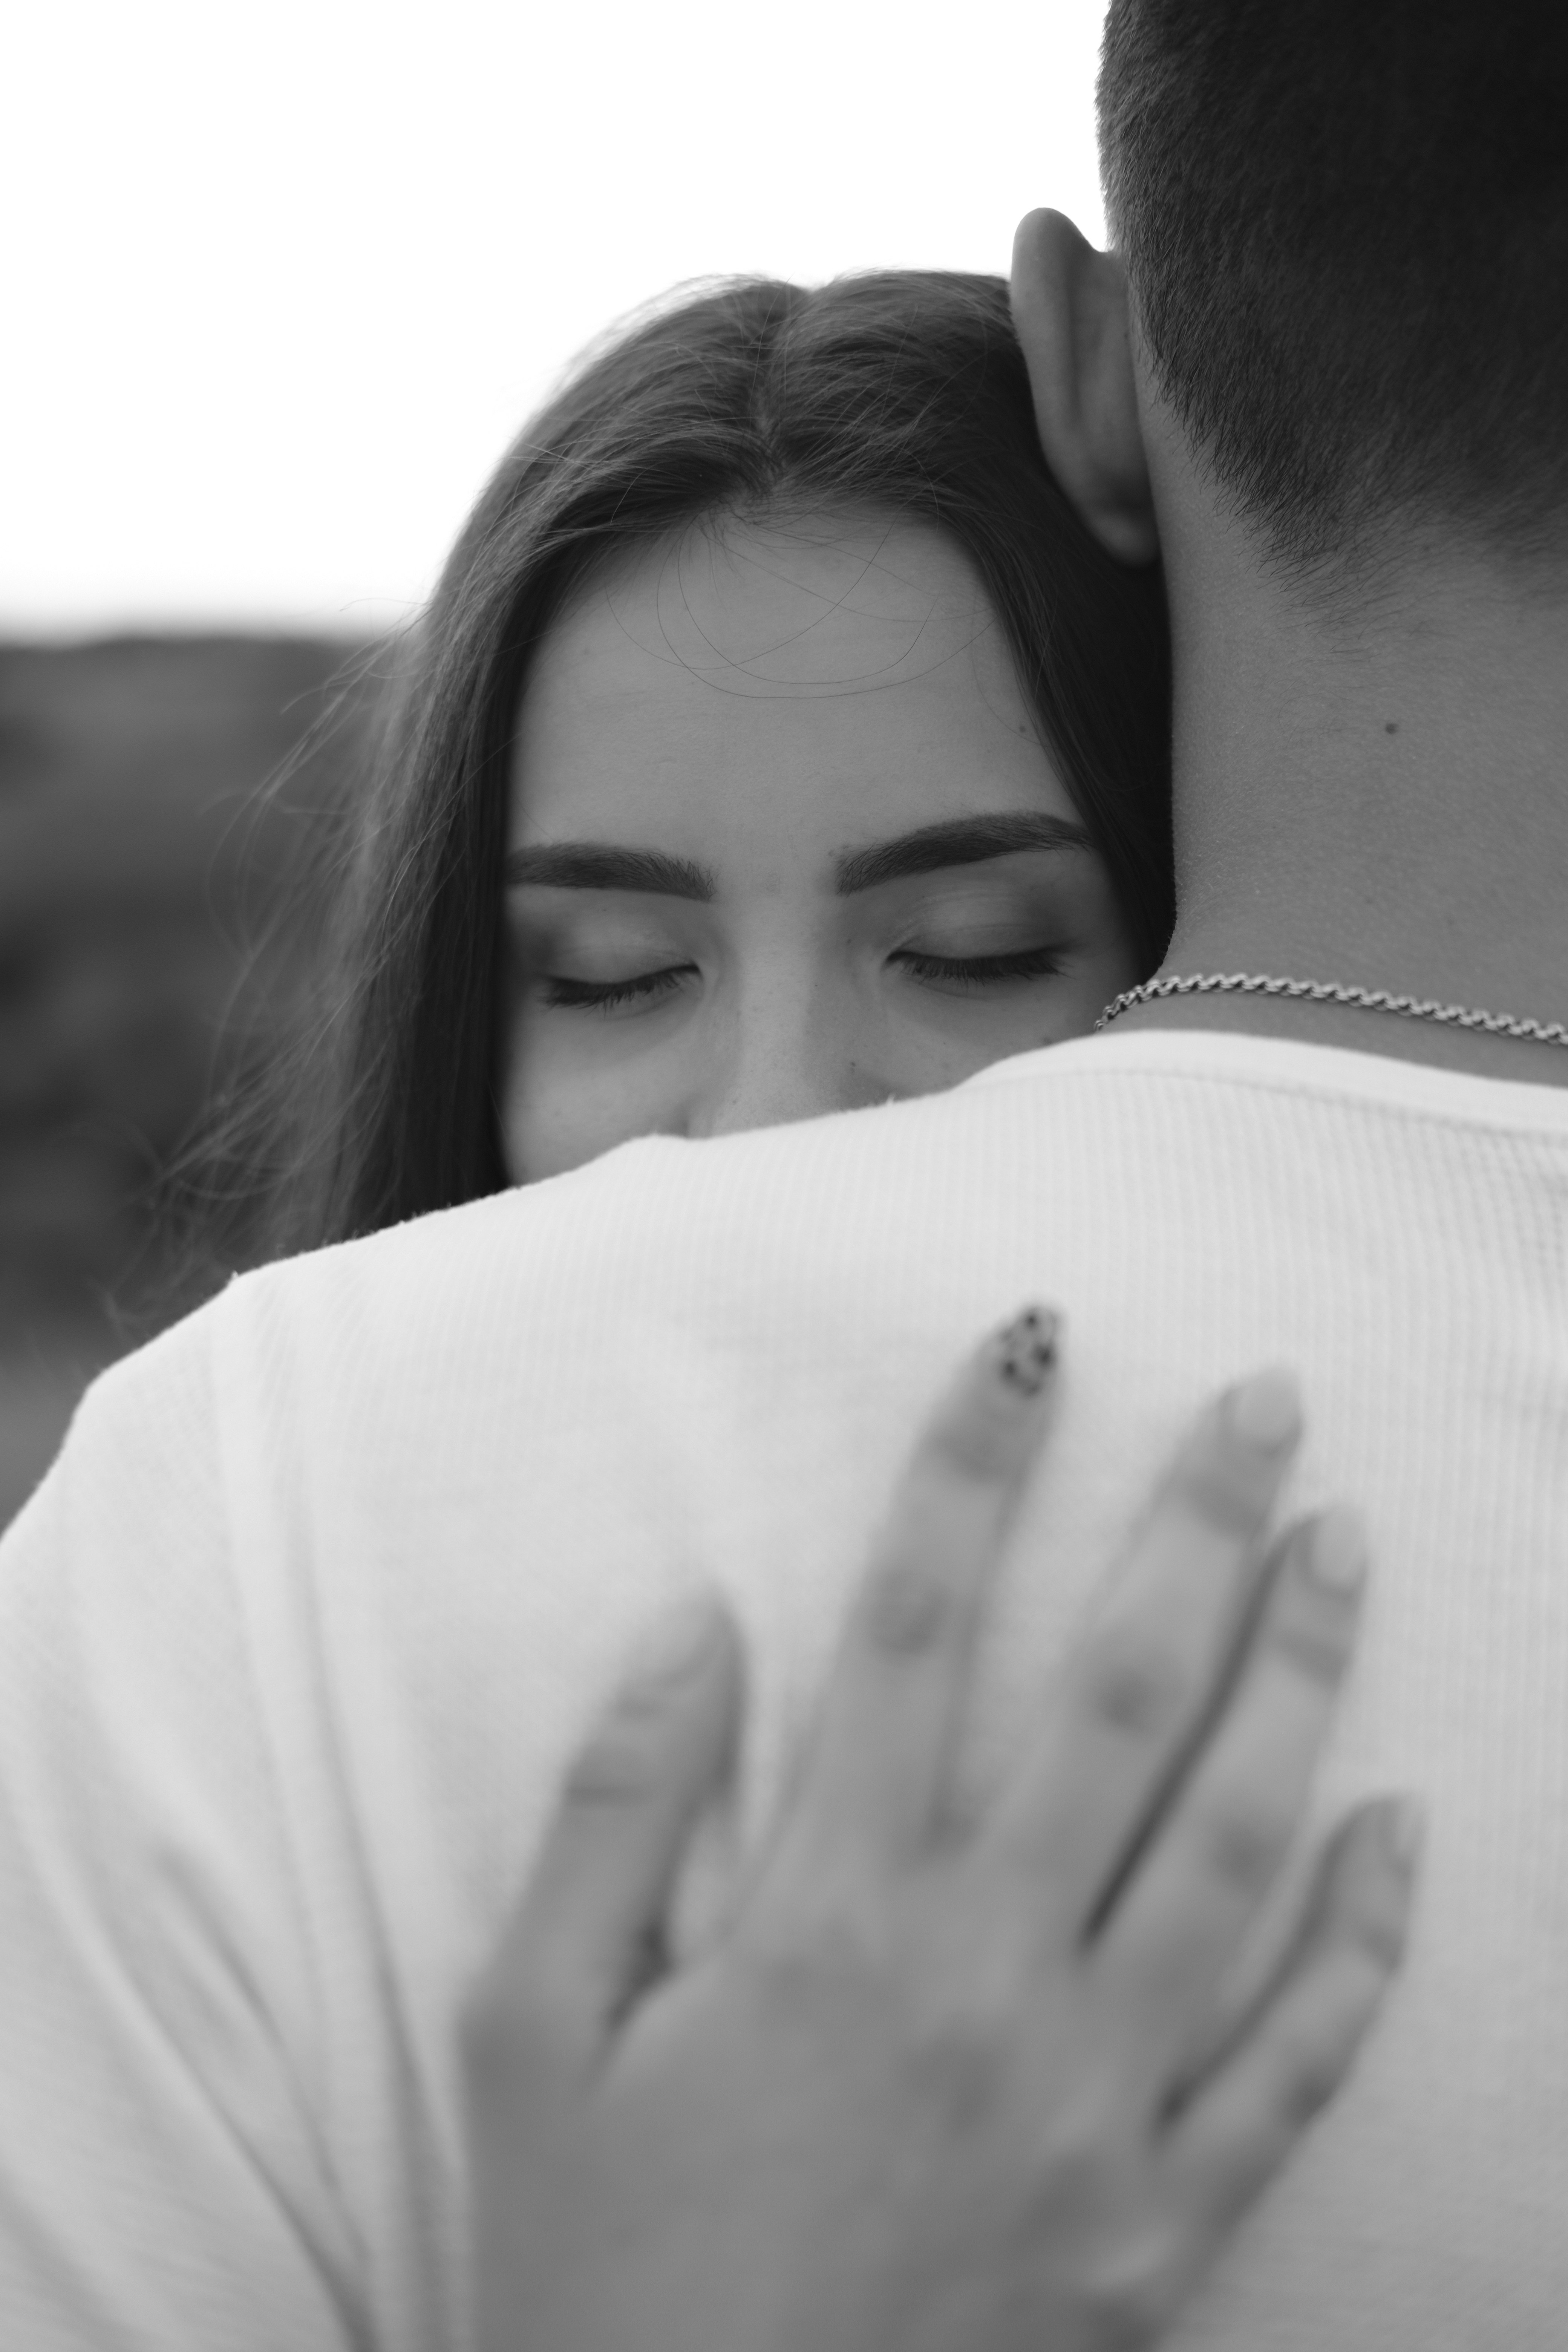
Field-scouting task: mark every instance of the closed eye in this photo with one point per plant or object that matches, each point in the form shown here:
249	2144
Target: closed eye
607	995
980	972
963	973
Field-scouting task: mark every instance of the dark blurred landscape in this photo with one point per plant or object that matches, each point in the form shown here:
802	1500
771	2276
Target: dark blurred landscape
169	811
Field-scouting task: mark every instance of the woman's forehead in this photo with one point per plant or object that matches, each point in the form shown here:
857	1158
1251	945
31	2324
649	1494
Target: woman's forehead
813	603
847	674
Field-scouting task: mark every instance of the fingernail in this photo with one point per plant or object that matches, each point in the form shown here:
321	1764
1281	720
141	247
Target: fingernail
1336	1551
1026	1350
680	1642
1265	1410
1403	1827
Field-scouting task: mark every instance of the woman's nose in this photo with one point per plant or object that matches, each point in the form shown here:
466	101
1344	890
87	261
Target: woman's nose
771	1096
776	1073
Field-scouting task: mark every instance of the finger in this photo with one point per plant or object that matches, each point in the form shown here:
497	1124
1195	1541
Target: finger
1131	1699
1196	1887
592	1918
1232	2133
873	1773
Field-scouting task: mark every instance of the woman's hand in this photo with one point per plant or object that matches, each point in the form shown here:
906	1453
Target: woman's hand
946	2085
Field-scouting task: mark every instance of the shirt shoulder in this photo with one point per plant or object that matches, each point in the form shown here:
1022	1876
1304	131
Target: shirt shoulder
1092	1134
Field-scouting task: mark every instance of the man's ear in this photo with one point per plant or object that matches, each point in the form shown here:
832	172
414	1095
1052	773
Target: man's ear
1069	307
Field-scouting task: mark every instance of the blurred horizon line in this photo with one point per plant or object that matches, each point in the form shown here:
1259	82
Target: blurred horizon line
377	617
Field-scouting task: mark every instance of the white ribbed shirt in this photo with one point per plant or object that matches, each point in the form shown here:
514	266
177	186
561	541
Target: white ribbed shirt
297	1634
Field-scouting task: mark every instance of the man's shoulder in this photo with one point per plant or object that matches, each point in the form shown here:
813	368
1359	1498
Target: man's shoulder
1091	1135
659	1221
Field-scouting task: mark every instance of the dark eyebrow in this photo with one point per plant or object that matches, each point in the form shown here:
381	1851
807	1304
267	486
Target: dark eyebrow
596	865
960	841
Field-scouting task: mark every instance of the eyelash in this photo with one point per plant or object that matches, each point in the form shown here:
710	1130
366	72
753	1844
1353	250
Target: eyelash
603	996
965	972
980	972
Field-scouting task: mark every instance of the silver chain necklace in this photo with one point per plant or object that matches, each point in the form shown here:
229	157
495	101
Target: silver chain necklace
1329	991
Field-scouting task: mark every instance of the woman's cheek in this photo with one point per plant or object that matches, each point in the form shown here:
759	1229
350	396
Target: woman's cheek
566	1100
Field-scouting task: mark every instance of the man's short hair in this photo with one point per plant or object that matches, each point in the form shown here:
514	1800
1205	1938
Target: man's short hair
1345	225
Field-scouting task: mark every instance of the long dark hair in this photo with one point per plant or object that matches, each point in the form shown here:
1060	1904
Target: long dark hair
904	392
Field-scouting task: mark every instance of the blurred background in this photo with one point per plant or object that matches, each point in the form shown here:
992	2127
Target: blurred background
281	285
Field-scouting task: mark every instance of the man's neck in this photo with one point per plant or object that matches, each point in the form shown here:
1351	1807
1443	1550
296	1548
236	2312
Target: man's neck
1377	798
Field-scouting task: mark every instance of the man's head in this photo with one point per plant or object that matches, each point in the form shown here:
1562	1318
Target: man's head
1323	373
1344	225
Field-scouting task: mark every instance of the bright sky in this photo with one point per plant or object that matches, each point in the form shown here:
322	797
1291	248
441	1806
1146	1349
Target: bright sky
283	280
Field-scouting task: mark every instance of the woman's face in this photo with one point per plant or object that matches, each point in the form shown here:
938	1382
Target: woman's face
783	840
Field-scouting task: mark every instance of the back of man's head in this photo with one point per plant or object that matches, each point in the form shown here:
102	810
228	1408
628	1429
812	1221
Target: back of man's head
1345	225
